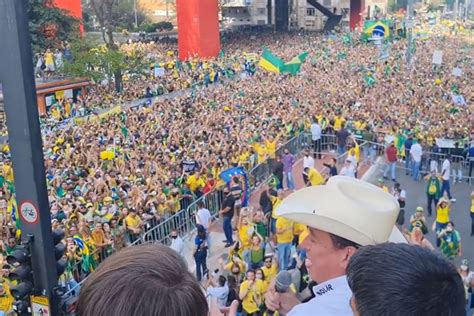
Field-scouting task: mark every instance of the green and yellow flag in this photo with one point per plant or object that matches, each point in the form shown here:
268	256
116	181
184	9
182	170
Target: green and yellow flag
293	67
270	62
378	28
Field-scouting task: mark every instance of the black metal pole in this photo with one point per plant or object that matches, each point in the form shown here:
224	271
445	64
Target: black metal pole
24	134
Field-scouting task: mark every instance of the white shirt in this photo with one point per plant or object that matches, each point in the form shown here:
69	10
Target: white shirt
220	293
315	131
416	151
446	169
332	299
348	171
203	217
308	162
178	246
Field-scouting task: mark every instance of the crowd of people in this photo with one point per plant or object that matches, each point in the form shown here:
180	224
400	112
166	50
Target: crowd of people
111	179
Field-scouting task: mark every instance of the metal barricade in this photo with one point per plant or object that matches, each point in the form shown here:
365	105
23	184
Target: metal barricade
183	221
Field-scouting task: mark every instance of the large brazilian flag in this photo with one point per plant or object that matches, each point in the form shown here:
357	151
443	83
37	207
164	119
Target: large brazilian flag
373	28
270	62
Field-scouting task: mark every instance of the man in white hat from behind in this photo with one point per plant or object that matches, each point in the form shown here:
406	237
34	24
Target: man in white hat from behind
342	216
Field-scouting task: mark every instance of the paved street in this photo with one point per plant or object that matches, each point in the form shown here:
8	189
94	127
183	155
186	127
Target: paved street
416	196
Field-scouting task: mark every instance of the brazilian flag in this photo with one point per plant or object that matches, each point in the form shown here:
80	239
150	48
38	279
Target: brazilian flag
274	182
270	62
373	28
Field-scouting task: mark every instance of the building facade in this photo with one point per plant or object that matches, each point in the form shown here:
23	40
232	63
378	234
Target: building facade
158	10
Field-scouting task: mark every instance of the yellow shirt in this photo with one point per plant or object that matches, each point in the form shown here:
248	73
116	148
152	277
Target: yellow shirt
261	152
195	183
230	264
244	157
269	273
132	222
6	300
472	204
300	230
248	303
48	59
270	148
276	201
442	215
8	172
355	152
244	236
314	177
287	235
338	122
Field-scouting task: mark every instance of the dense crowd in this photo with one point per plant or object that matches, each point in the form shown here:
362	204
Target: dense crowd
111	179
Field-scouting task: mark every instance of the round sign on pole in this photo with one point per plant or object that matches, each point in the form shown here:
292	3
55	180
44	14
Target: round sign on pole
29	212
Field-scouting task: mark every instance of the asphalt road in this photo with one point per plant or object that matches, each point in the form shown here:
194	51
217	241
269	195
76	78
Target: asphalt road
416	196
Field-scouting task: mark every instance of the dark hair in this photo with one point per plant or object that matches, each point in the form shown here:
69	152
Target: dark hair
272	192
222	280
142	280
201	231
341	243
201	204
392	279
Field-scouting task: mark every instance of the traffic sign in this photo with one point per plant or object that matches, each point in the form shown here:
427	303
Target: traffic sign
40	306
29	212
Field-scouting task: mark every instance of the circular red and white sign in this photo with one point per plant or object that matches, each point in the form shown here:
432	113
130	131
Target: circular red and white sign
28	212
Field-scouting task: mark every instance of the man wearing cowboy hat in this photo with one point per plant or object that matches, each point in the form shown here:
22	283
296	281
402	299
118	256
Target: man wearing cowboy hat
342	216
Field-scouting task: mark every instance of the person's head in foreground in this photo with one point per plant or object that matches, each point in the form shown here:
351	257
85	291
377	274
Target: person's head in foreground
142	280
342	216
402	279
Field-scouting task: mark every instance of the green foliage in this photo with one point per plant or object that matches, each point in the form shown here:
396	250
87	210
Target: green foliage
99	63
122	16
43	16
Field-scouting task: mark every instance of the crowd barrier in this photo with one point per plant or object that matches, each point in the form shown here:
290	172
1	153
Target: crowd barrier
184	221
433	161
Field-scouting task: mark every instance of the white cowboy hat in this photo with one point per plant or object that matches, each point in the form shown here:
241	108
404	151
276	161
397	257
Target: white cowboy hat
353	209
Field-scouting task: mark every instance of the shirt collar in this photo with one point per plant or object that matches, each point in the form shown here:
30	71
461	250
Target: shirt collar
333	285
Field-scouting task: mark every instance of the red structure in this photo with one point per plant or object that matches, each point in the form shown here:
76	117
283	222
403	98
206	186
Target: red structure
198	28
356	10
74	7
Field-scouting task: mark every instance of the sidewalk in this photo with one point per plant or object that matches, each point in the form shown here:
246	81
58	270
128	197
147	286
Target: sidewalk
217	234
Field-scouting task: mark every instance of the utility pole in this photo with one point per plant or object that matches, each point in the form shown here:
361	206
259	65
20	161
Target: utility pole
24	134
135	13
409	25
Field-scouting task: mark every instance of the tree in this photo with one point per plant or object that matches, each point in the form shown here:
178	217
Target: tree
123	15
49	25
104	11
99	62
107	13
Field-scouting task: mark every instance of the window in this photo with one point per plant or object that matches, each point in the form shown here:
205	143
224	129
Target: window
310	12
261	11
